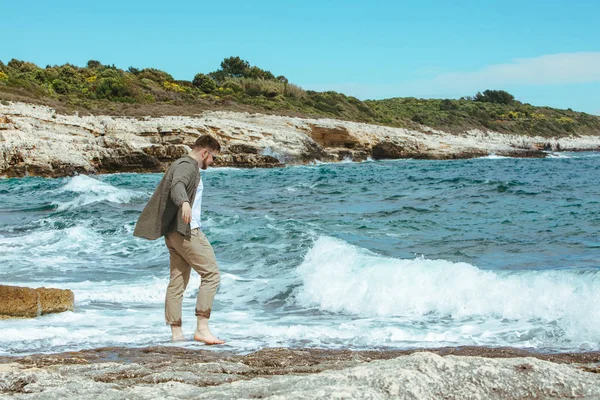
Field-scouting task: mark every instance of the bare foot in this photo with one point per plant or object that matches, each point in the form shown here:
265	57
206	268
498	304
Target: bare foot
205	336
177	334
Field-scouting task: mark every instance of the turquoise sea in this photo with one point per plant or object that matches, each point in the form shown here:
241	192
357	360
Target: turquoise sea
374	255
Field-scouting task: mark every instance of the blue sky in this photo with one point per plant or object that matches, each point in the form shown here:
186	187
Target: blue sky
544	52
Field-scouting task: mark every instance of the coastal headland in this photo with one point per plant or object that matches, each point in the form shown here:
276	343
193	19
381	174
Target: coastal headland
63	120
35	140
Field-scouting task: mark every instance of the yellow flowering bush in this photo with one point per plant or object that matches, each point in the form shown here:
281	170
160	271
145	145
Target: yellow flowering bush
173	87
91	79
511	115
3	76
565	120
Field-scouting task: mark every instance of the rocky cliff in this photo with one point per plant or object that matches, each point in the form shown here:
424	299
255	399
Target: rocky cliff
35	140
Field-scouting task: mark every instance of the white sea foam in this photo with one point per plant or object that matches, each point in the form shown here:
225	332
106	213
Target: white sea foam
79	330
144	292
234	289
493	157
54	249
341	278
93	191
558	155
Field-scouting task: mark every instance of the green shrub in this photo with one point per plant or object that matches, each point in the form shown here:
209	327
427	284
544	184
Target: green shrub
22	66
68	74
205	83
40	76
233	85
256	87
293	91
109	73
155	75
113	89
495	96
448	105
60	86
148	83
252	87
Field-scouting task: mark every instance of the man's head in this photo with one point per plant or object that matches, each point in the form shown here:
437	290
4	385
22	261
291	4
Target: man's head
205	150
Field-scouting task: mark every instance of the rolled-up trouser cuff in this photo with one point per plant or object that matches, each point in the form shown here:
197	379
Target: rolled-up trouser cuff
203	313
176	323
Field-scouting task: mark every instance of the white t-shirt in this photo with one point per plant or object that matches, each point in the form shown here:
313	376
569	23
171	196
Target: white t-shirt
196	207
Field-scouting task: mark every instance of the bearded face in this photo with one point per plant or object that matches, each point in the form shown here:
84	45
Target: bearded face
207	159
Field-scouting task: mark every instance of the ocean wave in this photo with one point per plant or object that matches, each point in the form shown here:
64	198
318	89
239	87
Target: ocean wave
340	278
60	243
92	190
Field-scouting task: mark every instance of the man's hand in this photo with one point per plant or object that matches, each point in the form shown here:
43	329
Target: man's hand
186	212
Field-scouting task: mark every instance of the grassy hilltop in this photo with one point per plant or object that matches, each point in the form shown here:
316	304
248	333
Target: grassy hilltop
239	86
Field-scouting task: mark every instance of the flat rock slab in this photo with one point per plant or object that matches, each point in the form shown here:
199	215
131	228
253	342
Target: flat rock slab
26	302
281	373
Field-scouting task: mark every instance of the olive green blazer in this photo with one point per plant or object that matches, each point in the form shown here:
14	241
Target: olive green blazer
162	214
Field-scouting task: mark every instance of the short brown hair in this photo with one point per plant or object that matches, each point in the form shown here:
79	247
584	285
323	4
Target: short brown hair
207	141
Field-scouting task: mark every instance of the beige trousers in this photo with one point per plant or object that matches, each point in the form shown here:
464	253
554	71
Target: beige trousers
196	253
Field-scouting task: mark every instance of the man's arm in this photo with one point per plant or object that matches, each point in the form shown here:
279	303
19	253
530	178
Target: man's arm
182	177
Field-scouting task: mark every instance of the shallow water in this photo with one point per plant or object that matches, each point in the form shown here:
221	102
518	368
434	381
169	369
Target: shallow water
395	254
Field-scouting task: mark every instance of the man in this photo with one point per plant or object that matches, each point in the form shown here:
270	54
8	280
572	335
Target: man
174	212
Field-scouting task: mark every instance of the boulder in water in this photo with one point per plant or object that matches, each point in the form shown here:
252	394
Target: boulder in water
26	302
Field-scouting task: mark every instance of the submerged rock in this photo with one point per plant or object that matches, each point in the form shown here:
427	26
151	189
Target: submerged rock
16	301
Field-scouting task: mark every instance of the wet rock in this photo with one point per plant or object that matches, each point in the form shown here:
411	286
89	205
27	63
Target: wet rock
55	300
18	301
523	153
388	150
279	373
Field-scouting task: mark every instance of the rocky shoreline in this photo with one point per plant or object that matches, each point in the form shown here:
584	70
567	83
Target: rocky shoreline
37	141
277	373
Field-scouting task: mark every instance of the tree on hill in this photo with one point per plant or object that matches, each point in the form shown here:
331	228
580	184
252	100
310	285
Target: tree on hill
94	64
495	96
234	66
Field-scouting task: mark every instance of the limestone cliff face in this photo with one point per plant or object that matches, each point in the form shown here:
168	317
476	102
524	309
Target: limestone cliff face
35	140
